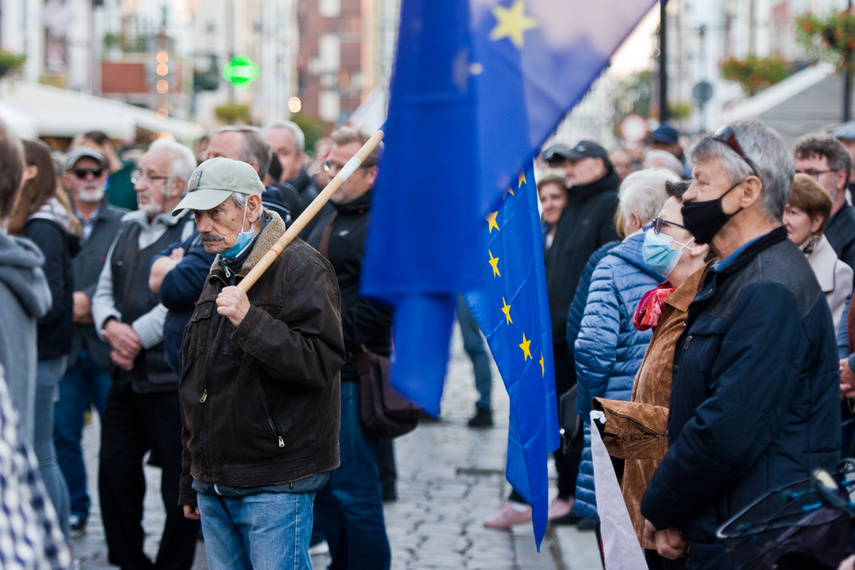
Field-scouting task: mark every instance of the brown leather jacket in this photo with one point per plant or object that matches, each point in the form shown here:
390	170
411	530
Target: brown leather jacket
260	403
636	430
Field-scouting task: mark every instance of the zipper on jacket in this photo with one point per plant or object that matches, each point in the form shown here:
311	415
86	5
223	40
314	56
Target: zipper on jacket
204	396
266	406
686	344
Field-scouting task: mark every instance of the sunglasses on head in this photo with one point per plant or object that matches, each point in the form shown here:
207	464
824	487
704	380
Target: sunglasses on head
726	135
81	173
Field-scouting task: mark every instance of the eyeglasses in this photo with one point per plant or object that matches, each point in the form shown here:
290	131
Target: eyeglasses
659	223
330	166
137	176
813	172
82	173
726	135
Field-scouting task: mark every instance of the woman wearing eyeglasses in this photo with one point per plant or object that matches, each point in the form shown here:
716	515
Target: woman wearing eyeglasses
635	430
808	209
43	214
608	350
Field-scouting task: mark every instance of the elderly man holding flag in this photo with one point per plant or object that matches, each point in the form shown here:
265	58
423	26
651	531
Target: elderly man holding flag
260	379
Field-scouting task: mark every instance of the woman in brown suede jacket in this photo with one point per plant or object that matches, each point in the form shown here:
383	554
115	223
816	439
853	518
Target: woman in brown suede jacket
635	430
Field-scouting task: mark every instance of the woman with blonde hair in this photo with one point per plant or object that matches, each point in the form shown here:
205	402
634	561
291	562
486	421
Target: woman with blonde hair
43	214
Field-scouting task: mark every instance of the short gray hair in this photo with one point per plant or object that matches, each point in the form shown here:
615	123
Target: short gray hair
663	159
299	137
773	163
183	161
254	148
239	199
643	193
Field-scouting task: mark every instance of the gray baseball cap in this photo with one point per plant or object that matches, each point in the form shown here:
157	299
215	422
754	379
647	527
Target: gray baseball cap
83	152
214	180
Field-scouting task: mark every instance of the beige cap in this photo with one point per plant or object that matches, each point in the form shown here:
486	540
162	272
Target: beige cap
214	180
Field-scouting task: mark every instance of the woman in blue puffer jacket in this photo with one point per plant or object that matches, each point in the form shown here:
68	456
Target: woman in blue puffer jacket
608	349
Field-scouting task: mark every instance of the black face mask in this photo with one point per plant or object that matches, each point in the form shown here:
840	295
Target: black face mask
705	219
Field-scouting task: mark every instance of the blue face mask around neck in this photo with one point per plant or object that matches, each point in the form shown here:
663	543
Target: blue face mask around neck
243	238
658	254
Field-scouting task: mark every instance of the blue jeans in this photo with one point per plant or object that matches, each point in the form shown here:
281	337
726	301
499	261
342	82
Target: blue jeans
350	506
268	531
83	383
473	344
48	373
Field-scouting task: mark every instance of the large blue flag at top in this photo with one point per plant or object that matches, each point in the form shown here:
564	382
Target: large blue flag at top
513	313
477	88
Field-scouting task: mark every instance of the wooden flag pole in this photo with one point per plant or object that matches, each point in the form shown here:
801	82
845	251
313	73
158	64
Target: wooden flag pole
311	211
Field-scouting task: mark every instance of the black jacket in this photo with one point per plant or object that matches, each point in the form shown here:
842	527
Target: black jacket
58	246
840	233
586	223
363	321
754	403
260	403
87	266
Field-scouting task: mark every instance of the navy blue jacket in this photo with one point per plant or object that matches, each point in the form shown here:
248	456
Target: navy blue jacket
754	403
609	349
180	290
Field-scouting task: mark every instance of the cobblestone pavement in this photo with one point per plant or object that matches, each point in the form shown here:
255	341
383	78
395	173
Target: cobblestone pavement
450	478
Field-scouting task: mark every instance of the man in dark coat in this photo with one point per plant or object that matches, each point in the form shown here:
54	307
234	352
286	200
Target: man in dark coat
754	404
260	379
350	506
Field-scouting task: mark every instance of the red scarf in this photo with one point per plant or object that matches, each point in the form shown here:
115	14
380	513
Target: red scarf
650	308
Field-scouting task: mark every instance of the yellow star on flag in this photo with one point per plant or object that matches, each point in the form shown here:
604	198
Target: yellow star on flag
491	219
542	366
494	261
508	191
512	23
524	345
507	310
521	181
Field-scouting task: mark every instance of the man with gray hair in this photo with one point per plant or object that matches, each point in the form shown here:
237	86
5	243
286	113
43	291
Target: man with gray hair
142	413
247	144
826	160
260	392
289	144
754	402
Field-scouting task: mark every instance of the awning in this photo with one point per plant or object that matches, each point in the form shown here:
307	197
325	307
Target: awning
19	122
62	113
808	101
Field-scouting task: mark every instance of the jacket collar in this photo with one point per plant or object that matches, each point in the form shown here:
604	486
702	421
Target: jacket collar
682	296
823	260
358	206
766	241
268	236
580	193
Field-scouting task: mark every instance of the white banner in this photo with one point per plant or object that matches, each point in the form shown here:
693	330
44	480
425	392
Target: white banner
620	544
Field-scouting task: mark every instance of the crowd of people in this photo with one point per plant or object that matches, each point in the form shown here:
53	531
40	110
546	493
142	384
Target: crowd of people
247	400
704	334
700	301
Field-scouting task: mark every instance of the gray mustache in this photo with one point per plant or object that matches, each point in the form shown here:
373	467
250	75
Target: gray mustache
210	237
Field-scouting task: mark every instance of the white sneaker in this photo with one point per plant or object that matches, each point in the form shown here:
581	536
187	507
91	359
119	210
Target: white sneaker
319	549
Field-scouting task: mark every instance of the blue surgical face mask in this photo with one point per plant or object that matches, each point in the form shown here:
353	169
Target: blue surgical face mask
658	254
243	238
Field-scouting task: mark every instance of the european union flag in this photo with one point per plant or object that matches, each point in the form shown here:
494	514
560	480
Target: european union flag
477	88
513	313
